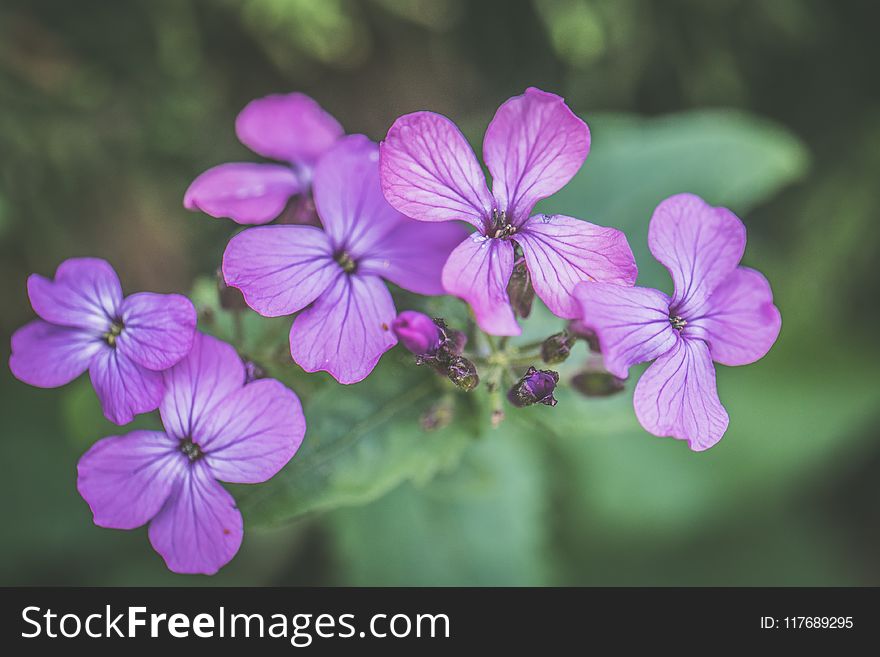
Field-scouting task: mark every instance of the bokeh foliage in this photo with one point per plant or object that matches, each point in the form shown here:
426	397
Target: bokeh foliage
109	109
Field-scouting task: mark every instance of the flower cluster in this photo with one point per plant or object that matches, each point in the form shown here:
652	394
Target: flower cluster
344	217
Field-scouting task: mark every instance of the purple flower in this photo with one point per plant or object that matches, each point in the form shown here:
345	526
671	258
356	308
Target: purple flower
291	128
336	274
86	324
216	428
418	332
533	147
719	311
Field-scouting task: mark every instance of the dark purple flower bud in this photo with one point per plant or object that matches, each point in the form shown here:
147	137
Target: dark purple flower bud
596	383
580	330
417	332
453	342
557	347
520	290
231	298
536	387
462	373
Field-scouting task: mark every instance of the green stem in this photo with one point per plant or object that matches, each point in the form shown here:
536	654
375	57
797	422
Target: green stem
238	328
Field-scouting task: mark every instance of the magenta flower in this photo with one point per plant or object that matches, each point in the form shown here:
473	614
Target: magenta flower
216	428
720	311
533	147
291	128
336	274
86	324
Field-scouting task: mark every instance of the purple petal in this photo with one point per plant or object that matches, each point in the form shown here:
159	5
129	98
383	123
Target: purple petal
632	323
677	397
196	386
48	356
85	293
158	329
349	198
533	147
430	172
563	251
126	479
124	388
413	254
699	245
279	269
478	271
288	127
199	529
245	192
254	433
347	330
739	320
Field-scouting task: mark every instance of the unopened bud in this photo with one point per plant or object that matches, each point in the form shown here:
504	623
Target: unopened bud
536	387
596	383
417	332
462	373
580	330
557	347
520	290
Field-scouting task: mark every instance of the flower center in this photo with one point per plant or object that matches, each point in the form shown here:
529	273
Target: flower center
677	322
346	262
501	228
114	332
193	452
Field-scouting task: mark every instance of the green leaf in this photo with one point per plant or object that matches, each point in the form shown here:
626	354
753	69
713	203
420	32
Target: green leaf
728	158
480	525
362	441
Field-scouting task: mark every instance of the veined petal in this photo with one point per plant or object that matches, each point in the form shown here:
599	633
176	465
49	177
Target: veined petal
198	384
632	323
254	433
677	396
700	246
478	271
48	356
85	293
245	192
533	147
158	329
412	255
199	529
289	127
430	173
126	479
347	330
279	269
349	198
124	388
562	251
739	320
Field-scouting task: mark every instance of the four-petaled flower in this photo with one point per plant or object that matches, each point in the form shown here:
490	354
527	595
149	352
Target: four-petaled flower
291	128
282	269
86	324
720	311
216	428
532	147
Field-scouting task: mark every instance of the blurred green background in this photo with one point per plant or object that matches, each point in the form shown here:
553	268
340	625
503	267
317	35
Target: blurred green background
109	109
